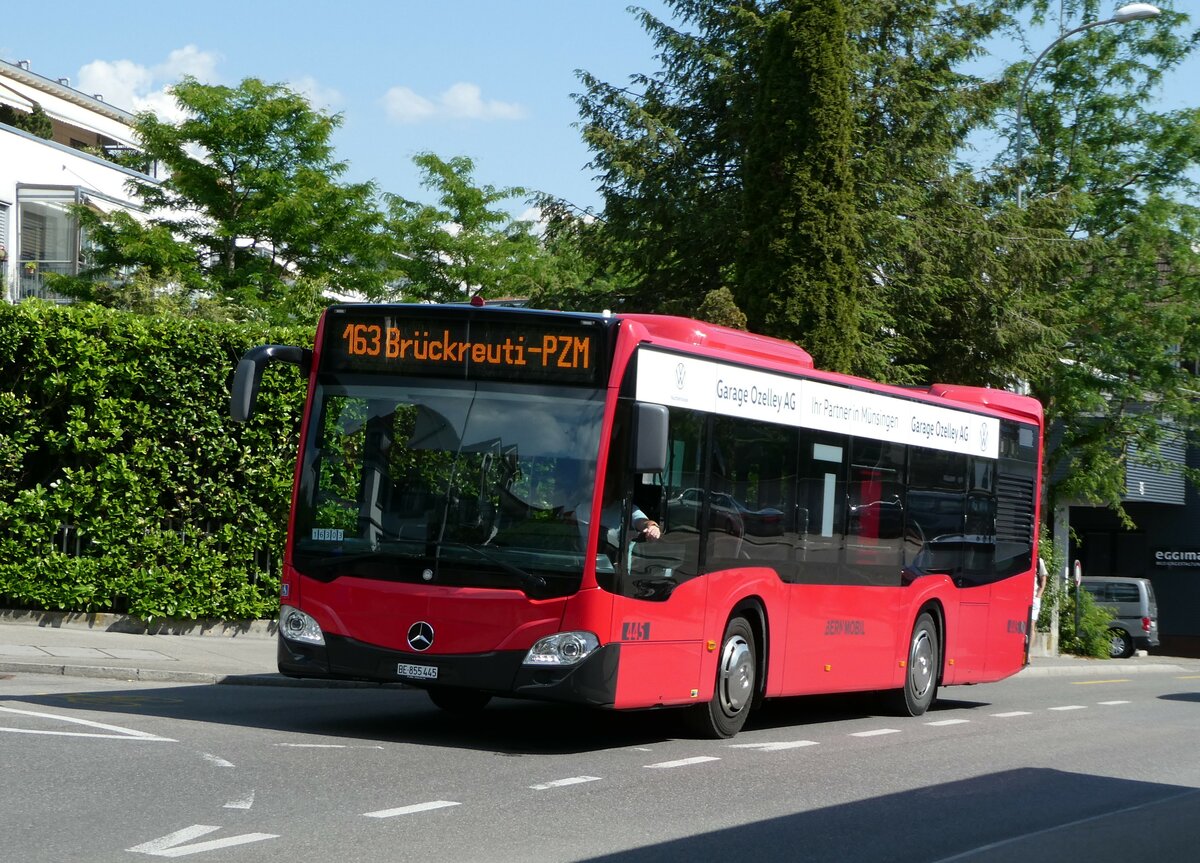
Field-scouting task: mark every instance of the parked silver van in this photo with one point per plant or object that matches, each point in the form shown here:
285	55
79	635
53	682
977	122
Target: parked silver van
1135	622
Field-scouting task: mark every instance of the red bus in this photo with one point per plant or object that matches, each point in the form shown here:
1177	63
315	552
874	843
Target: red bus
637	511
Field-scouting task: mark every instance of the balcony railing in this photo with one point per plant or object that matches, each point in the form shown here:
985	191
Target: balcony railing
31	281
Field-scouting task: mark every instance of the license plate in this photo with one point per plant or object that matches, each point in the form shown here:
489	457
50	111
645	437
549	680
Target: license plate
420	672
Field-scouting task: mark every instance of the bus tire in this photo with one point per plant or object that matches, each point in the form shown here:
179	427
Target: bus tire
737	675
459	700
922	669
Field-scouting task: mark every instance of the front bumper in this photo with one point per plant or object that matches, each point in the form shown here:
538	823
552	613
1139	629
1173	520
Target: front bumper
592	681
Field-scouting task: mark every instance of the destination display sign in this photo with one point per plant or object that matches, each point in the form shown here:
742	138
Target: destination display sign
559	351
671	379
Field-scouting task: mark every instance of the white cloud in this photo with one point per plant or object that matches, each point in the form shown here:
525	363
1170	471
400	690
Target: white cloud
462	101
318	95
120	83
189	60
134	87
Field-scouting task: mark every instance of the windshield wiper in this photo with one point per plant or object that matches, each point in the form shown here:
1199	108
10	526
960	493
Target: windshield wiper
526	578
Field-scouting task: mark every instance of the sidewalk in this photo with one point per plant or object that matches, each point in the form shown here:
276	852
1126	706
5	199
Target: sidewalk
104	646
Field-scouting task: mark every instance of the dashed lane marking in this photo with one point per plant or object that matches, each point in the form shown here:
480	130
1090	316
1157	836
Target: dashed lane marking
1096	682
412	810
323	746
944	722
1011	714
1070	707
245	803
682	762
561	783
217	762
774	747
1111	703
876	733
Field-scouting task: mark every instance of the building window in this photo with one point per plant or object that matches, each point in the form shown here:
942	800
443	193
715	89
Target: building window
47	239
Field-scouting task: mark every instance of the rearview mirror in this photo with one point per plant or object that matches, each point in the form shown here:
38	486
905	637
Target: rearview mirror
649	438
246	379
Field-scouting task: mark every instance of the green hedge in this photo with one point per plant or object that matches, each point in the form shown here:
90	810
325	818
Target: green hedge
124	485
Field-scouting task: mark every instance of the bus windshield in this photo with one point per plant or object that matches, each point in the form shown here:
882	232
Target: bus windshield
447	483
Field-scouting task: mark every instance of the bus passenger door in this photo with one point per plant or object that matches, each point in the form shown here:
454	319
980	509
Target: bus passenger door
976	574
874	560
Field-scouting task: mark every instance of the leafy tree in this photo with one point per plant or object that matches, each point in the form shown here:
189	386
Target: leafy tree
1117	181
250	207
35	121
801	236
466	244
708	167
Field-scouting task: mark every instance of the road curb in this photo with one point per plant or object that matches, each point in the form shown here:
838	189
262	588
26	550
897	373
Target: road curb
1108	668
203	678
105	622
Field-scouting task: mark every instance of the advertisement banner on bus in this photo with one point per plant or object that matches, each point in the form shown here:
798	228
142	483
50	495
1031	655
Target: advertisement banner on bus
682	381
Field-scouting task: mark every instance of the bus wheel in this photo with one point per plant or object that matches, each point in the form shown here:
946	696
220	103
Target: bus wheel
921	674
726	713
459	700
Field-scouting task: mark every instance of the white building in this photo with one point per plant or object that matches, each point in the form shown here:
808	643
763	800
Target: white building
40	179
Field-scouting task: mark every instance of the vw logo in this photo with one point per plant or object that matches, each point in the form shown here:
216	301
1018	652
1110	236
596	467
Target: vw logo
420	636
680	373
983	437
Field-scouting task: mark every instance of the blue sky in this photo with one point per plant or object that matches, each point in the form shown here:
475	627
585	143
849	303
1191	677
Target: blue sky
487	79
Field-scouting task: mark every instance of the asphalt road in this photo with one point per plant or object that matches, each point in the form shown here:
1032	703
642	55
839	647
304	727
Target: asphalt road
1030	769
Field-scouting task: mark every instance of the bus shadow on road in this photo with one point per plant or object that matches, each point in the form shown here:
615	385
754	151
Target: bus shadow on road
401	715
1028	814
819	709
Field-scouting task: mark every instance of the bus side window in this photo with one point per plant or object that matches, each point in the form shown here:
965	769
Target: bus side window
819	512
752	490
936	536
875	512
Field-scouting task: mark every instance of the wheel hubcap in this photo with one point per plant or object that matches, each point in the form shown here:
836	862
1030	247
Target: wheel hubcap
737	675
920	666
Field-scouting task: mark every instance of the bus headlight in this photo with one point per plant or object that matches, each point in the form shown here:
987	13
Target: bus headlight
295	625
563	648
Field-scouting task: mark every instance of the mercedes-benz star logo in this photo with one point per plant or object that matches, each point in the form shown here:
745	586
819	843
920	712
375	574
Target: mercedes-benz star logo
420	636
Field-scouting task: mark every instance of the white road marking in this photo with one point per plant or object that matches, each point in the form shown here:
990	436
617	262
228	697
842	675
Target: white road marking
682	762
245	803
559	783
774	747
172	845
411	810
118	733
1070	707
218	762
944	722
876	732
1012	713
324	746
1111	703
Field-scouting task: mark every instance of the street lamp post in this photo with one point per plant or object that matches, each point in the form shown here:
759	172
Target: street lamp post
1127	13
